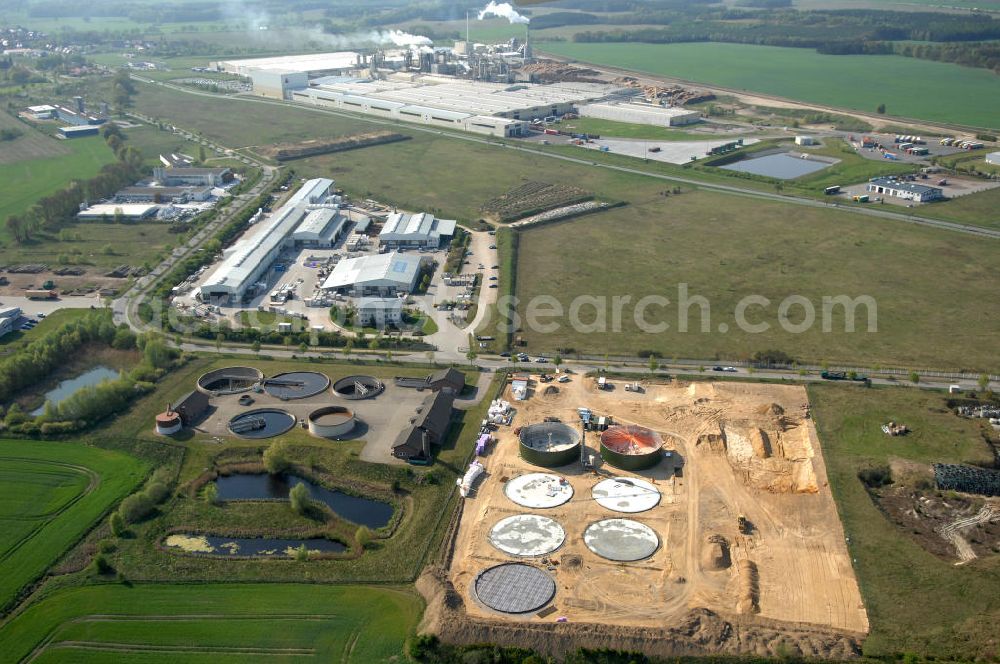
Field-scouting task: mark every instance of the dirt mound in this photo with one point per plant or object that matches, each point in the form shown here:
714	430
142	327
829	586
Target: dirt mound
711	442
771	459
550	391
749	587
772	409
715	553
572	561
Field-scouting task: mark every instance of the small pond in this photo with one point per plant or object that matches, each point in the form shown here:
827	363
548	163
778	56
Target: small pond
780	165
66	388
214	545
362	511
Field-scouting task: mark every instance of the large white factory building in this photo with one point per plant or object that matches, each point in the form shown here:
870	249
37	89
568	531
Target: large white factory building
381	275
249	260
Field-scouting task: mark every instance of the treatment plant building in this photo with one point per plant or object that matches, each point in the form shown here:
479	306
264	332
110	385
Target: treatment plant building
248	261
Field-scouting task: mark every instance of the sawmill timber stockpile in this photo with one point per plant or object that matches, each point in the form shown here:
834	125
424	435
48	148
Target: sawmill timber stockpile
658	559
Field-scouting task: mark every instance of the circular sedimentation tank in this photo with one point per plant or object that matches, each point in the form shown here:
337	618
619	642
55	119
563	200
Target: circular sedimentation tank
358	387
622	540
626	494
331	422
631	447
538	490
168	423
229	380
296	384
261	423
550	444
514	588
527	535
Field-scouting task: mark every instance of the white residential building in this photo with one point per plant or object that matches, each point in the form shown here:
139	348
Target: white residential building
379	312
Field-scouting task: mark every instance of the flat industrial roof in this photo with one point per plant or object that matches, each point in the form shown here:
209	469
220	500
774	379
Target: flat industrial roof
473	97
300	63
644	109
127	209
399	268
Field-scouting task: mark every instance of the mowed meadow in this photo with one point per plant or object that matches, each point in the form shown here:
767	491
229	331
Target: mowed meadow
909	87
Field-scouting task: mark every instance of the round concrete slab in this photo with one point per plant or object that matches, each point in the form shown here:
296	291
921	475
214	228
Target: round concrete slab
514	588
626	494
526	535
623	540
538	490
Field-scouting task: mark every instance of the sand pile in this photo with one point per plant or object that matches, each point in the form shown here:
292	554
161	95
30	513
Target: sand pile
749	587
770	459
715	553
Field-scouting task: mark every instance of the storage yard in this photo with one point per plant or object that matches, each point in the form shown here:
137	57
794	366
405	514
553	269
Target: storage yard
732	514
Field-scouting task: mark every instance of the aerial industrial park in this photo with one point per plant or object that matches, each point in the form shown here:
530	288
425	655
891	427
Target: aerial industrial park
564	332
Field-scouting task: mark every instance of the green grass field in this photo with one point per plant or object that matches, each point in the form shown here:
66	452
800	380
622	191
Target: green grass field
23	182
725	248
610	128
31	144
226	624
135	244
916	602
860	82
50	495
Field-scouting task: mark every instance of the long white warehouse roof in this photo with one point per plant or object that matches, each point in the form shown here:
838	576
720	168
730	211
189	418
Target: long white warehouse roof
312	62
392	267
247	254
475	98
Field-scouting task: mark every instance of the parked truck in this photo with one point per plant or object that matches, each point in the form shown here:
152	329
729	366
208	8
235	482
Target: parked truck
41	294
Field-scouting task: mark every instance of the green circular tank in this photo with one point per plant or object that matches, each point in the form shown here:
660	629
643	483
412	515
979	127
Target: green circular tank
550	444
631	447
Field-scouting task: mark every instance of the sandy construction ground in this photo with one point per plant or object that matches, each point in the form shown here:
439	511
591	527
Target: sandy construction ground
737	449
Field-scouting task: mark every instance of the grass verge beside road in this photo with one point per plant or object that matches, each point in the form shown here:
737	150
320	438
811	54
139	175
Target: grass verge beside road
916	602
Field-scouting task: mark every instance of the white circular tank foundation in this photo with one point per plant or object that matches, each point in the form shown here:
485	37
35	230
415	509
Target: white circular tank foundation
527	535
538	490
626	494
623	540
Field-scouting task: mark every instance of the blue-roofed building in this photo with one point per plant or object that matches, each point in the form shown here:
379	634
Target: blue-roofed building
382	275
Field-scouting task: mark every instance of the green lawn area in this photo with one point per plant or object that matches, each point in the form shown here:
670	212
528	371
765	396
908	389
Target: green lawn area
916	602
10	342
135	244
981	209
50	495
611	128
860	82
215	624
31	144
23	182
725	249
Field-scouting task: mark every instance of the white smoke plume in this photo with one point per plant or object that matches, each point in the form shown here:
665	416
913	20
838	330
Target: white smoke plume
503	10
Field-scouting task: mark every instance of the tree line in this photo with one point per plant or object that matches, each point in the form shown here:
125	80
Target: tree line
35	361
52	212
961	39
